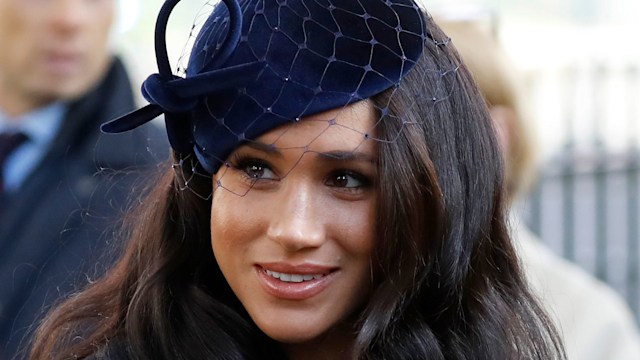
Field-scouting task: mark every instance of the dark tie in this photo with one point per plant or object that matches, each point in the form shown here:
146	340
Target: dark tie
8	143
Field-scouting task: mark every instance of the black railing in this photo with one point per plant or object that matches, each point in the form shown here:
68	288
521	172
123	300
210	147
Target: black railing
586	203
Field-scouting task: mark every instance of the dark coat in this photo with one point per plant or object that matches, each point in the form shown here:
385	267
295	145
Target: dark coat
55	228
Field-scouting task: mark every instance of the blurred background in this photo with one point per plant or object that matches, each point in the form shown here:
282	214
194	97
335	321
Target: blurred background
580	66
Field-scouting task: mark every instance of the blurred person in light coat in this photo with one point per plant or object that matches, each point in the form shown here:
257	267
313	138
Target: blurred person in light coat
595	321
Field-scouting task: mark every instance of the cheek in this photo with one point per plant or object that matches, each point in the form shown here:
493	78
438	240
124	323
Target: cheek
101	28
357	238
355	226
223	220
16	37
233	224
226	243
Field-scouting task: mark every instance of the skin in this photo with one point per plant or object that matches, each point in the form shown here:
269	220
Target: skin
303	209
503	118
51	50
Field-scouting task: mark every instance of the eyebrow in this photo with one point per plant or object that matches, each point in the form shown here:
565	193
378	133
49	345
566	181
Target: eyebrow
335	155
345	156
270	149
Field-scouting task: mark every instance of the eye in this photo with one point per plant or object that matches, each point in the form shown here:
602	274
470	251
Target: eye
347	180
255	169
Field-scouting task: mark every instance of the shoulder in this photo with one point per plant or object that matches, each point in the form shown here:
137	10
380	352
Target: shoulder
595	320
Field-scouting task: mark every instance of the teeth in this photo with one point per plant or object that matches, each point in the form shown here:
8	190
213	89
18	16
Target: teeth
292	277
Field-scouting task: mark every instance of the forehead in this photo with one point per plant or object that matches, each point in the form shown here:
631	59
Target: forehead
346	128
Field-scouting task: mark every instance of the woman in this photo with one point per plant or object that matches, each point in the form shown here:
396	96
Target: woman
338	195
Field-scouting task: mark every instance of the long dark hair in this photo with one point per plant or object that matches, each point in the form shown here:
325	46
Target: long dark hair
449	283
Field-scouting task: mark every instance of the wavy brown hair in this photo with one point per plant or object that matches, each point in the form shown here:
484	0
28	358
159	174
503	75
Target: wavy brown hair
449	284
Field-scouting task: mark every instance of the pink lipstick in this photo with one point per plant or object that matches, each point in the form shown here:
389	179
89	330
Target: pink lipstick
297	282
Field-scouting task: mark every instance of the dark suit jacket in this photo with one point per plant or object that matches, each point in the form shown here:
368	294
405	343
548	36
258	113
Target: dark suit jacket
54	230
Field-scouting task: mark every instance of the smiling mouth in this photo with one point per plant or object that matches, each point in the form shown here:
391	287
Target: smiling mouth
295	278
295	282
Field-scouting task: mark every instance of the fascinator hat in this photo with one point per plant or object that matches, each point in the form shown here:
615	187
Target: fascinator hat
256	65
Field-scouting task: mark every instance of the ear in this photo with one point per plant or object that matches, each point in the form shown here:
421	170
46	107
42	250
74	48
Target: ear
503	120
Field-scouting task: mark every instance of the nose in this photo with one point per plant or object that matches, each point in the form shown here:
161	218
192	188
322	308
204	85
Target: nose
295	220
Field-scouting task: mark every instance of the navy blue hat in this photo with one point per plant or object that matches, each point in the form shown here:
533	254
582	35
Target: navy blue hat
258	64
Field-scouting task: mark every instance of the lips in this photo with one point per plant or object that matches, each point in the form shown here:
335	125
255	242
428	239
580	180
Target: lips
62	63
295	282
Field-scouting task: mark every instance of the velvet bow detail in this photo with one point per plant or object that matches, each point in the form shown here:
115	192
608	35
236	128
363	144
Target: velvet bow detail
175	96
163	94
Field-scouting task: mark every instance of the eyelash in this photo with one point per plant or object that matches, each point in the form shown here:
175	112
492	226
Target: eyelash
246	164
364	182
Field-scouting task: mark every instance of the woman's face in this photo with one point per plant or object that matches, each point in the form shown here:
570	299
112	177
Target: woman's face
297	248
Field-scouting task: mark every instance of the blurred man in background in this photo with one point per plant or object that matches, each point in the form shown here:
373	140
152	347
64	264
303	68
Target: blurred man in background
594	320
62	184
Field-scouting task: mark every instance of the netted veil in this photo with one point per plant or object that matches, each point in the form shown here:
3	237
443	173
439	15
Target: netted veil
257	66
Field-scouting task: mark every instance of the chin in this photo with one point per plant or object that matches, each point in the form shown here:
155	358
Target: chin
291	334
72	90
66	89
72	87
